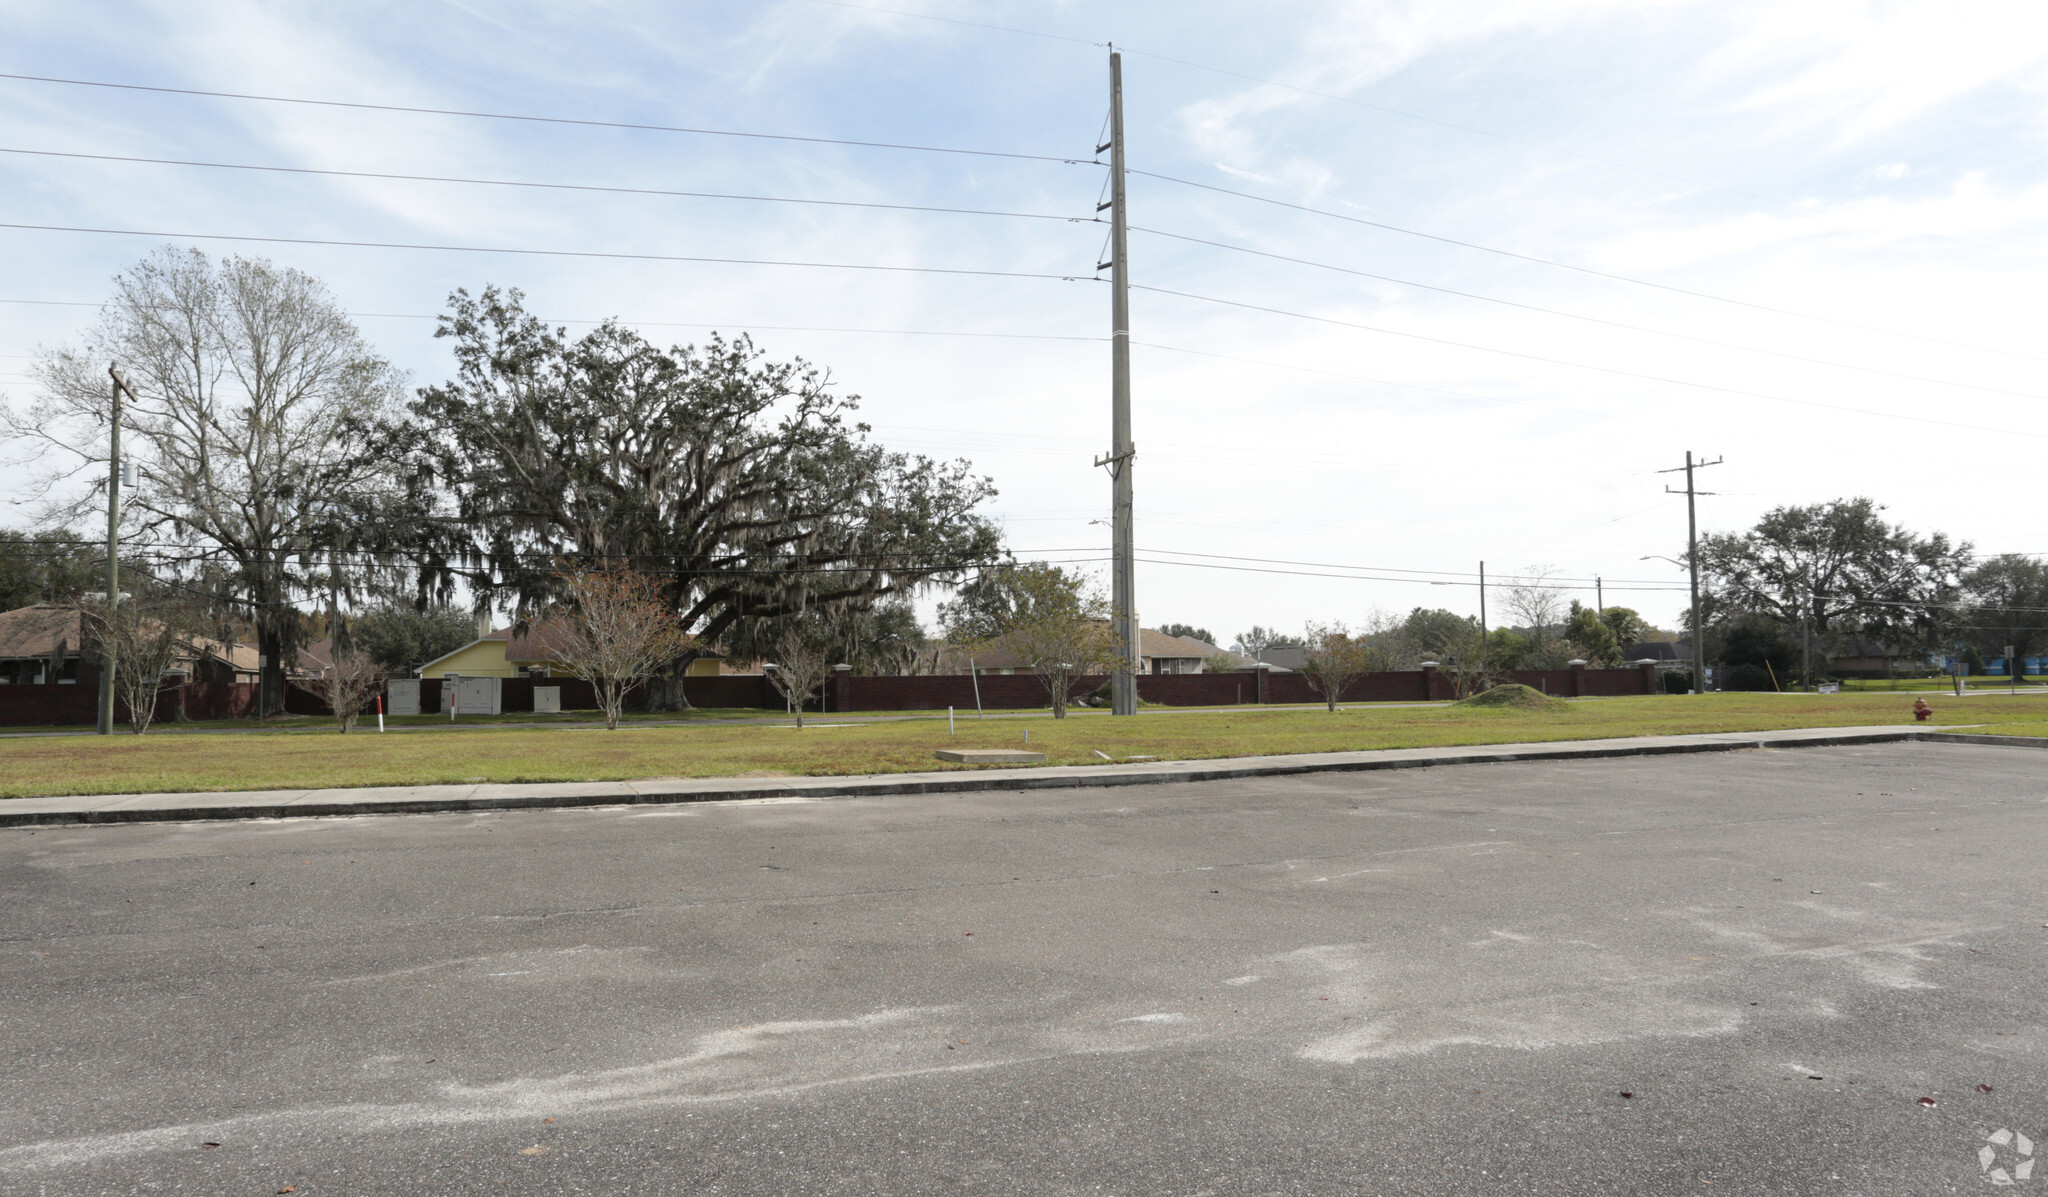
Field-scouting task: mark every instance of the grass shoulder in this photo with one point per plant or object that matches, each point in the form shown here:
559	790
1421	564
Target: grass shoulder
255	760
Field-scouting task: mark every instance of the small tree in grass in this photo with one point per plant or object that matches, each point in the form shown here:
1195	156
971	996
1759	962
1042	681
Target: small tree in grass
1462	651
802	660
616	632
347	686
147	638
1334	658
1059	625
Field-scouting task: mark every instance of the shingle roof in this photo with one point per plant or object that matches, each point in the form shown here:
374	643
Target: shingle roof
38	631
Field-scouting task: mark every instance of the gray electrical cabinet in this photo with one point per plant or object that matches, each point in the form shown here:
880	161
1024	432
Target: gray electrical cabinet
402	696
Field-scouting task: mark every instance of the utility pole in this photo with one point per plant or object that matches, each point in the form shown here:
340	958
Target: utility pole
1482	615
1599	597
1806	637
1692	563
1123	682
106	718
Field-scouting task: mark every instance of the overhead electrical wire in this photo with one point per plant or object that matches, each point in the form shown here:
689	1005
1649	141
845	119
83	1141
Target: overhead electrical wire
546	120
355	174
1299	573
1586	270
550	253
741	325
1535	357
1321	95
653	191
1530	307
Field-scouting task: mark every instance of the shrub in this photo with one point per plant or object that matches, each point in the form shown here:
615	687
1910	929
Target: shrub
1748	677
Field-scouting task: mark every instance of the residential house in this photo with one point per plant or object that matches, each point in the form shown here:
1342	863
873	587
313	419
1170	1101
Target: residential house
1157	653
1668	655
46	644
1285	658
502	653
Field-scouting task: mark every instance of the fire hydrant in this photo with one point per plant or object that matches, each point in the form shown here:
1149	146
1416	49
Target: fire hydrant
1921	710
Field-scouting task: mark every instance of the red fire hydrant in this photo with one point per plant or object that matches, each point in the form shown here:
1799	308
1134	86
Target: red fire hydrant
1921	710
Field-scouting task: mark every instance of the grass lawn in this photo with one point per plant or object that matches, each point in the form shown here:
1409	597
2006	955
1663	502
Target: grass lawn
267	760
1907	684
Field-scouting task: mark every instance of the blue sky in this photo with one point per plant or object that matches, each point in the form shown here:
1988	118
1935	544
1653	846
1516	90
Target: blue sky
1873	164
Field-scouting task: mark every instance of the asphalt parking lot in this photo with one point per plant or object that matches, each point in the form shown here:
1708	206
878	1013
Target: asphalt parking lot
1731	973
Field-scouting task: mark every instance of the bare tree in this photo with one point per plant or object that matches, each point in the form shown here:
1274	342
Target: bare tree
147	638
1333	659
1538	602
616	633
253	396
802	661
347	686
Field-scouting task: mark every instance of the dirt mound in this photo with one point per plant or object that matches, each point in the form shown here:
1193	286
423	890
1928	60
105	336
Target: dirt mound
1514	697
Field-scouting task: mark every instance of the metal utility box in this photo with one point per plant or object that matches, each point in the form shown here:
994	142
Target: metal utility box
547	700
402	696
472	695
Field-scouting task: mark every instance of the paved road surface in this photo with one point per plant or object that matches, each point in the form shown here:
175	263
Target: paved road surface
1433	982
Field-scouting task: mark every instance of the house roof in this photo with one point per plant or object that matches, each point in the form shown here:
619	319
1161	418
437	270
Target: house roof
1289	657
1657	650
242	658
1152	645
530	645
38	631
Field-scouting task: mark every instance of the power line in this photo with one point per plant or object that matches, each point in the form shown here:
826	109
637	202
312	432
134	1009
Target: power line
545	120
546	253
1534	357
1542	581
1253	569
1412	386
739	324
1586	270
719	195
1530	307
1323	95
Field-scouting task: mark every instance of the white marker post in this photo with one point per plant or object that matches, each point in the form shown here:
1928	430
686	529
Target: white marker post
949	721
380	714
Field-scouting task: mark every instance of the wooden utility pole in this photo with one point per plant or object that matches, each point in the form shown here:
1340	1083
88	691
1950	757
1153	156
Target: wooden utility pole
1692	563
106	717
1123	682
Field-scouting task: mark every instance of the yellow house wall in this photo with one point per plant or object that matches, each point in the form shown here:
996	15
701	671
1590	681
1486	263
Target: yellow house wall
483	659
487	659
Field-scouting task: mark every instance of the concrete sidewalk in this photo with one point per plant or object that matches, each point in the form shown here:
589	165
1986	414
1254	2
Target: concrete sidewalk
273	804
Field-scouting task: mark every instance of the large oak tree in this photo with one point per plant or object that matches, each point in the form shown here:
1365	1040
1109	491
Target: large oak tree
1842	564
745	483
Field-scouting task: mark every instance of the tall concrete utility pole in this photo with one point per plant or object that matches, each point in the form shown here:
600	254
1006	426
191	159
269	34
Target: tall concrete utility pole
106	719
1692	563
1482	615
1123	683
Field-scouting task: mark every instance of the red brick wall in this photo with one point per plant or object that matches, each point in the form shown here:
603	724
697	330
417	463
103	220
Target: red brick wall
78	704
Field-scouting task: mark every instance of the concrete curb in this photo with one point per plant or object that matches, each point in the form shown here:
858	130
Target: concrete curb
1999	741
278	804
